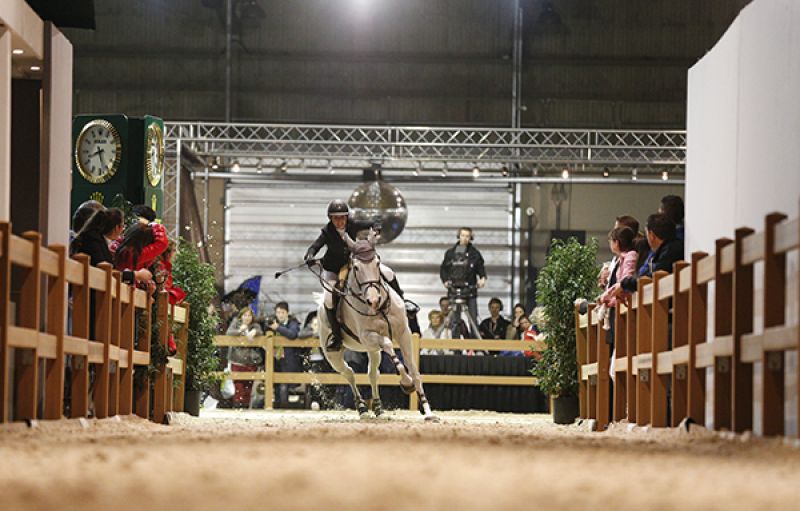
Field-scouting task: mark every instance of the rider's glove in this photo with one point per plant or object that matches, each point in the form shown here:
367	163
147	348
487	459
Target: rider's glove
309	257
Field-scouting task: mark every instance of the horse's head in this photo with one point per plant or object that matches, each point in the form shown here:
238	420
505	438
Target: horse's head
365	270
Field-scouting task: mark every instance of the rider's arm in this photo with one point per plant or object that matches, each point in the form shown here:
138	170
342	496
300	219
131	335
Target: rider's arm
314	248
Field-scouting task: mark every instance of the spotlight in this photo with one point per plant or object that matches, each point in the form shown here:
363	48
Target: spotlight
504	171
215	164
18	51
259	167
476	171
606	173
36	68
665	176
284	166
565	174
235	167
331	170
634	175
444	169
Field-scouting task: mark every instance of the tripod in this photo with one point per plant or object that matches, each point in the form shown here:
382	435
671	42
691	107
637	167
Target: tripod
455	318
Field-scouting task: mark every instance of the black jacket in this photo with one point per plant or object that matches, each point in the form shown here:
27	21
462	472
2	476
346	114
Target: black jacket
475	267
338	254
499	330
667	254
95	246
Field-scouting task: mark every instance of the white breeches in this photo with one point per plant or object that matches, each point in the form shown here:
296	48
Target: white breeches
331	279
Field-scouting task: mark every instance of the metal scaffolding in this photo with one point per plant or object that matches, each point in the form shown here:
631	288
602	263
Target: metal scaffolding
499	153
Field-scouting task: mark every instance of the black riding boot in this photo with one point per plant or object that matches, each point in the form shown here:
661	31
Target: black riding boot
396	286
335	343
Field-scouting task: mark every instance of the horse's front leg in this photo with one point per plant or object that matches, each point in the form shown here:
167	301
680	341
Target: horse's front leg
336	359
406	381
404	340
374	363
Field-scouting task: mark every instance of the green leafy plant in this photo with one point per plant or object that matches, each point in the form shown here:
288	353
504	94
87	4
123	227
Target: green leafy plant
197	279
569	273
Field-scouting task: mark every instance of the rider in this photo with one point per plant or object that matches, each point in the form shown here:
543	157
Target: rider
336	259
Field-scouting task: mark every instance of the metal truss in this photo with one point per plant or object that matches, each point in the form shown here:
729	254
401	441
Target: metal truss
422	144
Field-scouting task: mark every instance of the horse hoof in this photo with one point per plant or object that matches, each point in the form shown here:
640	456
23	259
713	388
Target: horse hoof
432	418
377	407
363	411
408	389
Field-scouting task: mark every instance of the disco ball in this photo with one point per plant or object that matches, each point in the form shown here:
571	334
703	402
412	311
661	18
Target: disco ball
380	203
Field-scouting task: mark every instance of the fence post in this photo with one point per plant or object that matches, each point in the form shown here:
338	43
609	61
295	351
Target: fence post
183	348
643	346
143	399
632	377
103	334
741	324
774	291
603	386
56	325
81	305
660	343
680	328
413	398
29	314
698	320
127	327
591	352
160	387
723	310
5	302
269	369
580	350
620	351
114	369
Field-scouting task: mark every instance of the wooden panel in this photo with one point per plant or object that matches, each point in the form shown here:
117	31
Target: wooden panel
140	299
727	259
21	252
123	358
49	262
781	338
141	358
621	365
96	352
590	369
113	353
704	355
74	272
47	346
19	337
786	235
97	279
666	287
706	269
680	355
75	346
644	361
753	248
664	362
175	364
179	315
686	279
722	346
647	295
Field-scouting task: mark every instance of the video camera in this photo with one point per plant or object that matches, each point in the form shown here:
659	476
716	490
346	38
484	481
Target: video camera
458	275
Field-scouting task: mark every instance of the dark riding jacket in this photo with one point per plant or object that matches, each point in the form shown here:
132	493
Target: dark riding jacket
338	254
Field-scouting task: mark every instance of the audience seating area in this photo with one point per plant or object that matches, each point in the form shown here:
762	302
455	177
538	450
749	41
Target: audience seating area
40	335
662	349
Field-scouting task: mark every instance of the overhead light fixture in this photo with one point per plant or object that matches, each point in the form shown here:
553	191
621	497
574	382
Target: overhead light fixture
215	164
444	169
259	166
504	171
235	167
565	173
284	166
417	169
665	176
606	172
634	174
17	51
476	171
36	68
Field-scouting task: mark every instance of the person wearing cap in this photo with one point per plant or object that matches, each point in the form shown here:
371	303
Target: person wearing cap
336	259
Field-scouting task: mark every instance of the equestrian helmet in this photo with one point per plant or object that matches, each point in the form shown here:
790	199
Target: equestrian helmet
338	207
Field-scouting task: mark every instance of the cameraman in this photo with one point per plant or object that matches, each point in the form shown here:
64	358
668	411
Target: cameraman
462	271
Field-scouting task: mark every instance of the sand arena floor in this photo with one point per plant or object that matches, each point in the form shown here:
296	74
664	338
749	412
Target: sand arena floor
330	460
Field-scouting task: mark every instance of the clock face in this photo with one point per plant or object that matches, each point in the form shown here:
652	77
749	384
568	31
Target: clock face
98	151
154	159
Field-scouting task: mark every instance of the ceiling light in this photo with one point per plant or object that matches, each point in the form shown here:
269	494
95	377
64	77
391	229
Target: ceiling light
565	173
17	51
665	176
215	164
504	171
284	166
235	167
634	175
36	68
476	171
606	172
444	169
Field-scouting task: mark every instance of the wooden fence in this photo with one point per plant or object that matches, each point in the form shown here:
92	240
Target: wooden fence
270	343
35	344
661	344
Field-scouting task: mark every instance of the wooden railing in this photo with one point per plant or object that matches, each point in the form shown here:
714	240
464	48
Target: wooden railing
660	339
46	274
270	343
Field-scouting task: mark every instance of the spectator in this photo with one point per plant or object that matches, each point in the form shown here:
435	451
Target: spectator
291	359
514	329
639	241
310	326
620	240
462	271
436	330
666	250
141	245
144	214
672	206
454	324
81	215
495	326
242	358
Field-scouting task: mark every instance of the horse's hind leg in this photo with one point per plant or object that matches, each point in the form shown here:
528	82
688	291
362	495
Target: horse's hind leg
374	362
336	359
405	347
406	381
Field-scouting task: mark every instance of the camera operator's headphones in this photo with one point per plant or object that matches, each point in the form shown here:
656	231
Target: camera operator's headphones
468	229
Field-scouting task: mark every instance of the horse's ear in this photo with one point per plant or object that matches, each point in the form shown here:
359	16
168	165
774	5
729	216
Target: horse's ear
347	239
371	236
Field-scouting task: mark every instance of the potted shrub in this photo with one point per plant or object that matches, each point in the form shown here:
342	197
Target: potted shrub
569	273
197	280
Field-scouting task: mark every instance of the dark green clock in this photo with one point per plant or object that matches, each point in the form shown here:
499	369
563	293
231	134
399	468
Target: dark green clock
115	154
